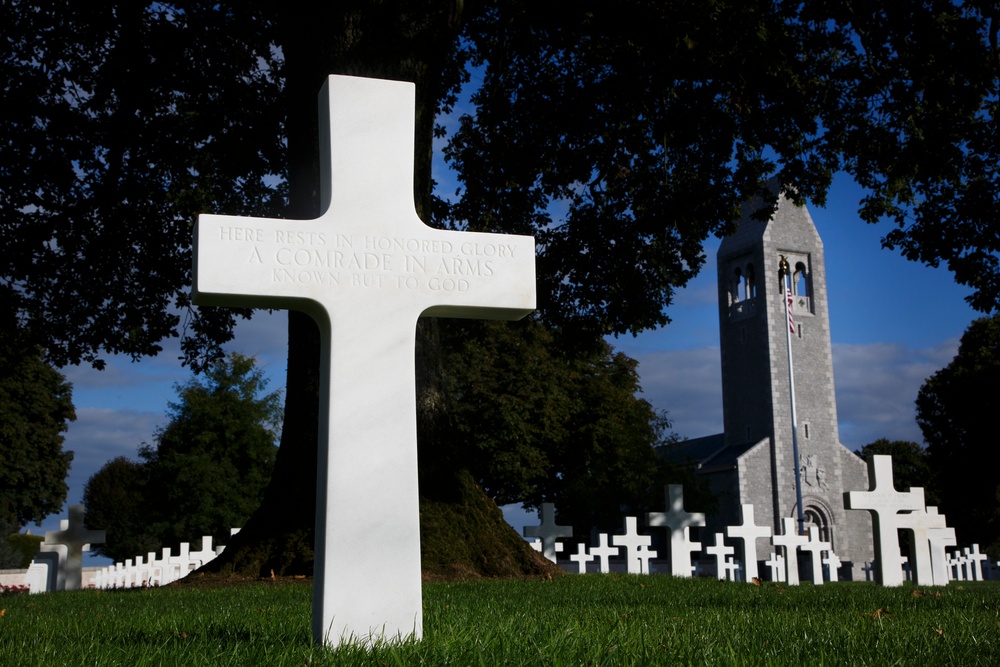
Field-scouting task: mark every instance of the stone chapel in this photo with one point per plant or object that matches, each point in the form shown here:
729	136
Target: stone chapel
752	461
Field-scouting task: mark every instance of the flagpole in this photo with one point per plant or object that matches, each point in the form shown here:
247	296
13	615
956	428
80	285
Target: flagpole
785	276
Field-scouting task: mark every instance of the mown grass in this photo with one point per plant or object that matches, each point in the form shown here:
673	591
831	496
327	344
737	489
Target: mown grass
573	620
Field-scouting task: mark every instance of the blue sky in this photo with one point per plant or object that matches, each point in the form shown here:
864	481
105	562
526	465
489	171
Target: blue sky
893	324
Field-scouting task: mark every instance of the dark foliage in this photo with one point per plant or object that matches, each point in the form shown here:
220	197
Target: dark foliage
619	134
911	466
954	412
36	406
206	473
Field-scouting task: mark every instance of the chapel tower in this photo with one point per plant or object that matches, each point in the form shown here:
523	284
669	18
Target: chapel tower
755	384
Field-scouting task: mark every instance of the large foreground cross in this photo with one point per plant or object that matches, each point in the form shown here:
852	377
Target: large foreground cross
365	270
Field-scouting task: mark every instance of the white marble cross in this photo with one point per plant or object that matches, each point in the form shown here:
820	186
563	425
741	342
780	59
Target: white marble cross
815	546
747	534
679	523
791	541
581	558
77	540
720	550
922	524
548	531
975	559
180	564
832	563
645	555
957	563
365	270
632	541
52	557
937	539
203	555
777	564
885	503
603	552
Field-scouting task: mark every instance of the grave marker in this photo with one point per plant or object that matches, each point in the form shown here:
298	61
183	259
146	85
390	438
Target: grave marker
832	563
679	523
777	564
747	534
957	564
548	532
720	550
49	562
603	552
815	546
365	270
645	555
203	555
975	559
581	558
885	503
921	524
791	541
633	542
77	539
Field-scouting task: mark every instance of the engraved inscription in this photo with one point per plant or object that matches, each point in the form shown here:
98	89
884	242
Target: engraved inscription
366	262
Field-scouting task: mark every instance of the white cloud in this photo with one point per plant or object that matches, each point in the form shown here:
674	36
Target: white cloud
101	434
97	436
688	385
877	385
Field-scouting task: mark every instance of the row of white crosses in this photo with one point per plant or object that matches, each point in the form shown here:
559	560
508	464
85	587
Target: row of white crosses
59	563
636	548
891	511
153	570
966	565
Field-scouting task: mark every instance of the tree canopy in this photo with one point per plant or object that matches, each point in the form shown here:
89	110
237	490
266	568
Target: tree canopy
534	421
954	412
36	406
206	473
649	123
619	134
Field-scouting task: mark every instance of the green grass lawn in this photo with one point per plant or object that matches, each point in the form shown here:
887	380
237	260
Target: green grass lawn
573	620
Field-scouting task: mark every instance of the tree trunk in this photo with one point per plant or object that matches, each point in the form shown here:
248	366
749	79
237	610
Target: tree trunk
462	531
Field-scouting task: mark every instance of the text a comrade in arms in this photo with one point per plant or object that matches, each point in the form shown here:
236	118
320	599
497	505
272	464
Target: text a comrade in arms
323	250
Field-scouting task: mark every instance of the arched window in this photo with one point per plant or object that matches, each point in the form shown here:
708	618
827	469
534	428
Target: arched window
734	289
800	281
816	516
751	282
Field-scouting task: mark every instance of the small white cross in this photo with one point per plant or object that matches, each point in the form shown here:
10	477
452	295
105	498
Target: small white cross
747	534
632	541
603	552
791	541
816	547
679	523
581	557
721	551
548	531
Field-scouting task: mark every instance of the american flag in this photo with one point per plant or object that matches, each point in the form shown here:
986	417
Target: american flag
788	300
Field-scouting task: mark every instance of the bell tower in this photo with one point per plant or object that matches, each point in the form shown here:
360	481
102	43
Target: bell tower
757	412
